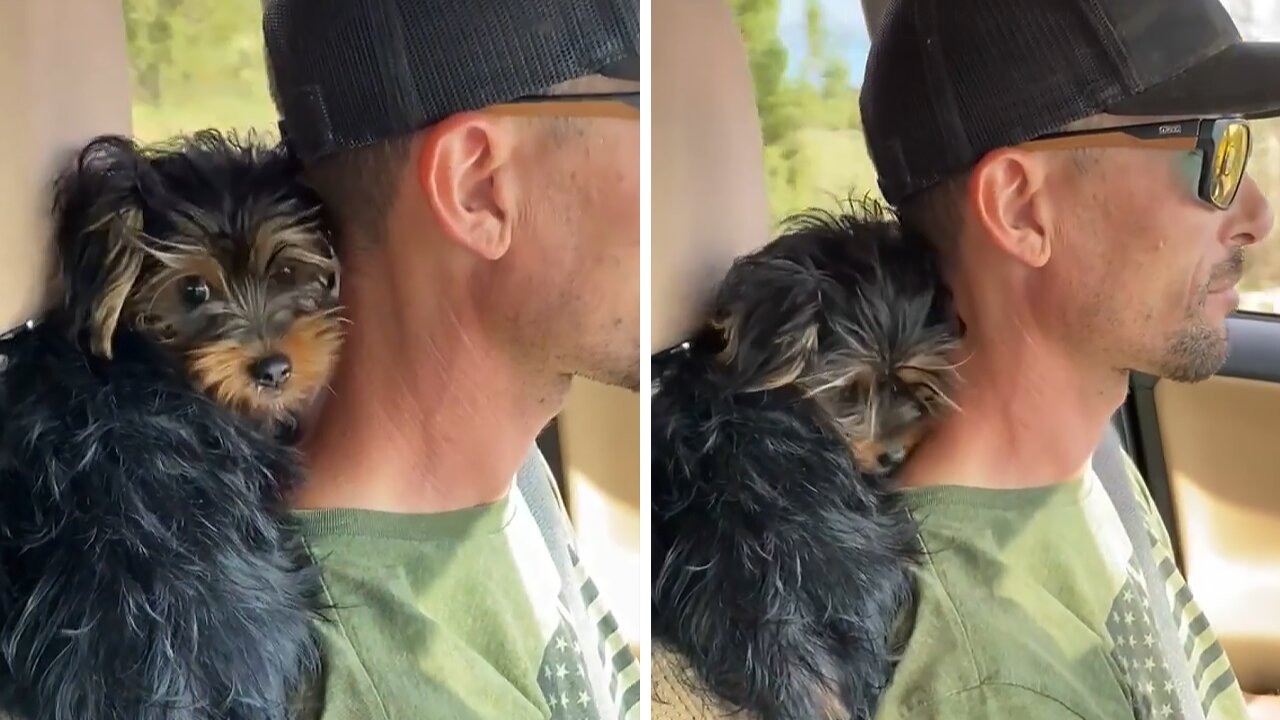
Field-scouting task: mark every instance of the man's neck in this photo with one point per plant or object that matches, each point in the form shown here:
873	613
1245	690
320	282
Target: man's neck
425	415
1030	415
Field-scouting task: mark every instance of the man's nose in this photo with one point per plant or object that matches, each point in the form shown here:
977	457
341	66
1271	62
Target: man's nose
1257	217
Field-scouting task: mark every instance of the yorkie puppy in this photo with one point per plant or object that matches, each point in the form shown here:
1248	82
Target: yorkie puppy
233	275
148	572
847	312
781	551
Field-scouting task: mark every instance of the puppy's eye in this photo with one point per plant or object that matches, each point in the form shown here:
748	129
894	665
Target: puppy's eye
912	413
925	397
283	275
195	291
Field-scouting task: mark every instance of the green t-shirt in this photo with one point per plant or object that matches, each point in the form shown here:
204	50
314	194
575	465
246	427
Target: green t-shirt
480	614
1030	604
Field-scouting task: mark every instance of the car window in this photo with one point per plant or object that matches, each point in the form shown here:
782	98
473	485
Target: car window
1260	287
807	62
196	64
807	59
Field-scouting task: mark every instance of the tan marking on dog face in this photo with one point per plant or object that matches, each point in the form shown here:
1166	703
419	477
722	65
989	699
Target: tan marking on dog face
291	249
221	369
867	453
283	237
312	346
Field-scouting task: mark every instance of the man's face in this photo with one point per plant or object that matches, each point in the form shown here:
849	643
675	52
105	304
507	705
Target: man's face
1142	270
574	262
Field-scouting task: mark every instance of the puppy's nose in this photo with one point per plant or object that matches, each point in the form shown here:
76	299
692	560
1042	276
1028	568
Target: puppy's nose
892	457
271	372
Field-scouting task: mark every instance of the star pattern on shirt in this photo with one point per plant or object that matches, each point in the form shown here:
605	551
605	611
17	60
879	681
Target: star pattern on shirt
1138	654
563	680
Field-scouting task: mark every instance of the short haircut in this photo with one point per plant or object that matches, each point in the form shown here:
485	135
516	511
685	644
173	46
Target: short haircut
938	211
360	186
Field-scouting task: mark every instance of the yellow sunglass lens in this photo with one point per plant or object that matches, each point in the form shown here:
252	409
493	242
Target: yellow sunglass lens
1229	163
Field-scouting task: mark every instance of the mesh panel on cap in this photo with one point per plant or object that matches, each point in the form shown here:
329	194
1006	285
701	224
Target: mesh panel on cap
350	72
950	80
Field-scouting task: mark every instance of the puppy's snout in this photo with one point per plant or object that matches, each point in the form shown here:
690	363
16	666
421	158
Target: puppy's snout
892	457
271	372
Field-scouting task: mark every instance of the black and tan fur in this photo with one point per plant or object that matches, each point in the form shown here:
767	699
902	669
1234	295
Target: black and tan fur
781	554
146	570
226	267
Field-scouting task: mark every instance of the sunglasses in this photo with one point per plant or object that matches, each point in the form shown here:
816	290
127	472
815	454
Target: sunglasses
1223	146
613	105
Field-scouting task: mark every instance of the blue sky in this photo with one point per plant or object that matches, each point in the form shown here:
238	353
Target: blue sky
845	31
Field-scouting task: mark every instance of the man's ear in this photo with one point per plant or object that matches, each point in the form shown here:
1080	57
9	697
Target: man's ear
1005	192
98	227
464	172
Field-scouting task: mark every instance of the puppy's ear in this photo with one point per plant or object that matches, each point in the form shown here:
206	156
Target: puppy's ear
767	316
98	228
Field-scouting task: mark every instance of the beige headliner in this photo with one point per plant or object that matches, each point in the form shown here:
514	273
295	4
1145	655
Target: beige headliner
63	78
709	201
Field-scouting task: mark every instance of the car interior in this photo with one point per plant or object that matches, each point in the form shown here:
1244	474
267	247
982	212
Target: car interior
1204	449
68	73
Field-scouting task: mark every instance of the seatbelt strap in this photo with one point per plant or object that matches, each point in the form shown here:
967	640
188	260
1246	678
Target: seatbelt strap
1109	465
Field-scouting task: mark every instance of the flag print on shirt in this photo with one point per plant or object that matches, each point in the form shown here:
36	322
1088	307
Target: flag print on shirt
563	679
1140	656
1138	653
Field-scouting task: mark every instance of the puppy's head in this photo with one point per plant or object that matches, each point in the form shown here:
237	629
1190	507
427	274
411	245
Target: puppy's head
212	247
852	313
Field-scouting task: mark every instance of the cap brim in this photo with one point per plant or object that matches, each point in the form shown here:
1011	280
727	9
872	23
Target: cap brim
1243	79
628	68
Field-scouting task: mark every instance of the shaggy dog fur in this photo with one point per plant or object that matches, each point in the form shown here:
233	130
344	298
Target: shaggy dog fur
781	556
146	570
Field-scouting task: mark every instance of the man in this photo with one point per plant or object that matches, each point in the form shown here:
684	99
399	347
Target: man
480	162
1079	168
1049	151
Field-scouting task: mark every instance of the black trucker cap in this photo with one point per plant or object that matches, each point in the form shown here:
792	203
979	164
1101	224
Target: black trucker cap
347	73
947	81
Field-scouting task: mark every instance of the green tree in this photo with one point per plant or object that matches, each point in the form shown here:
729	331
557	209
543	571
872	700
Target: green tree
758	22
196	64
814	152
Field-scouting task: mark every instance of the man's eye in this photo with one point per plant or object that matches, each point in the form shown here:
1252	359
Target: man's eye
195	291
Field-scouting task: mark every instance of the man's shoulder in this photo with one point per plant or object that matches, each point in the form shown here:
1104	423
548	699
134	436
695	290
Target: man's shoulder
367	675
979	633
971	655
993	699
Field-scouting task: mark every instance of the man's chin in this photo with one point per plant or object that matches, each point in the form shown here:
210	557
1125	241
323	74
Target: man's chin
1197	353
1222	303
625	378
